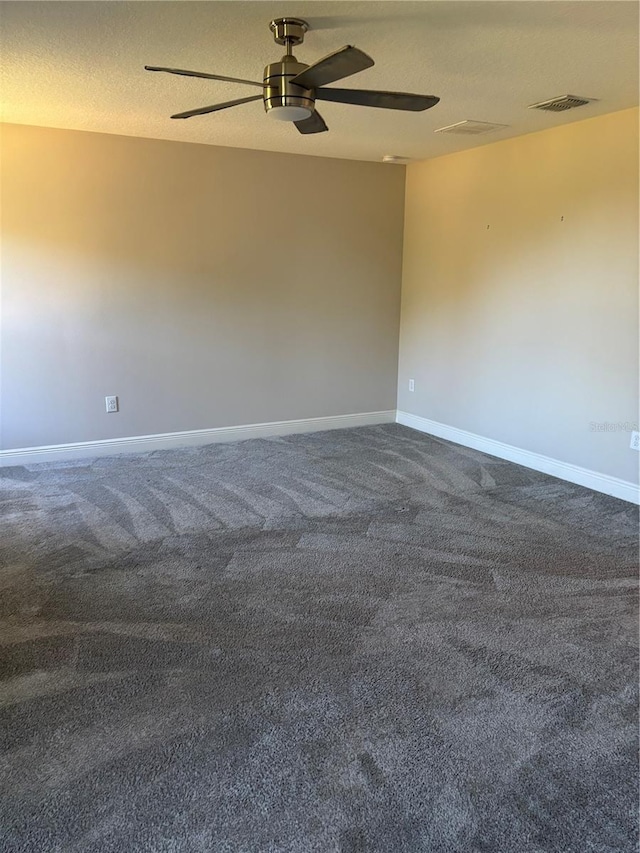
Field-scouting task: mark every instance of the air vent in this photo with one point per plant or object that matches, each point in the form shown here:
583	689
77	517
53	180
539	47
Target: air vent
471	128
559	105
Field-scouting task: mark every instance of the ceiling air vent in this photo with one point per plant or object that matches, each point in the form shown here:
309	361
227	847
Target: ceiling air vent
470	128
559	105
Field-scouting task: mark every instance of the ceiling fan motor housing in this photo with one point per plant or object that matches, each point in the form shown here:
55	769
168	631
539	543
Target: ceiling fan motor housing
287	100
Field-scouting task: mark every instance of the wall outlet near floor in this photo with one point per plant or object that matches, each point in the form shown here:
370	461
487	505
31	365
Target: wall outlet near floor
634	444
412	385
111	404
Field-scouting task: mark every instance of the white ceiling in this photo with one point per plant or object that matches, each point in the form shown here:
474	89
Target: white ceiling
79	65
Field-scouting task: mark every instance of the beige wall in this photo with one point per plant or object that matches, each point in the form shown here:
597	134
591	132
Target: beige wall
526	331
204	286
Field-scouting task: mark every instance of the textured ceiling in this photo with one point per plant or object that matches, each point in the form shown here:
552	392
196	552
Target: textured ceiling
80	65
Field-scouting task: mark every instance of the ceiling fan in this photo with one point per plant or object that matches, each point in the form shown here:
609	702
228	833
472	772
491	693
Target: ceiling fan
290	88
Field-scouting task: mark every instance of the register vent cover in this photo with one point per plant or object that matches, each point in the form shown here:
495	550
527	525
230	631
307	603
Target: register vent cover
471	128
562	103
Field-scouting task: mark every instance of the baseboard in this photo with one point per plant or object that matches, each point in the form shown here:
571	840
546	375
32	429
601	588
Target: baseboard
622	489
189	438
192	438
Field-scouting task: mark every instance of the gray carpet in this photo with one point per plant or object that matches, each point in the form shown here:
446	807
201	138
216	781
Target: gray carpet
364	641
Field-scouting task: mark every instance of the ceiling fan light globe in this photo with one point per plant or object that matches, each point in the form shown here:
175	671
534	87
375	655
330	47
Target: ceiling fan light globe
289	113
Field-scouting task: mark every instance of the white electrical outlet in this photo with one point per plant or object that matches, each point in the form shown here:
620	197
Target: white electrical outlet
635	441
412	385
111	404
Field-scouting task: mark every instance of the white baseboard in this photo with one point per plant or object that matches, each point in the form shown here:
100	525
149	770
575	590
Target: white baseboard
623	489
192	438
189	438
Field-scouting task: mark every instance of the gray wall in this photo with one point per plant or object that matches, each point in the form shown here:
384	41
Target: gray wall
204	286
526	331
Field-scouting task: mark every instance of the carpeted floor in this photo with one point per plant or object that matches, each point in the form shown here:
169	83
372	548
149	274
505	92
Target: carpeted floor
360	641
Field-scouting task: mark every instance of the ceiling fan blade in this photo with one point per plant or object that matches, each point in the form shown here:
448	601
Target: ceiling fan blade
344	62
385	100
200	111
313	124
185	73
